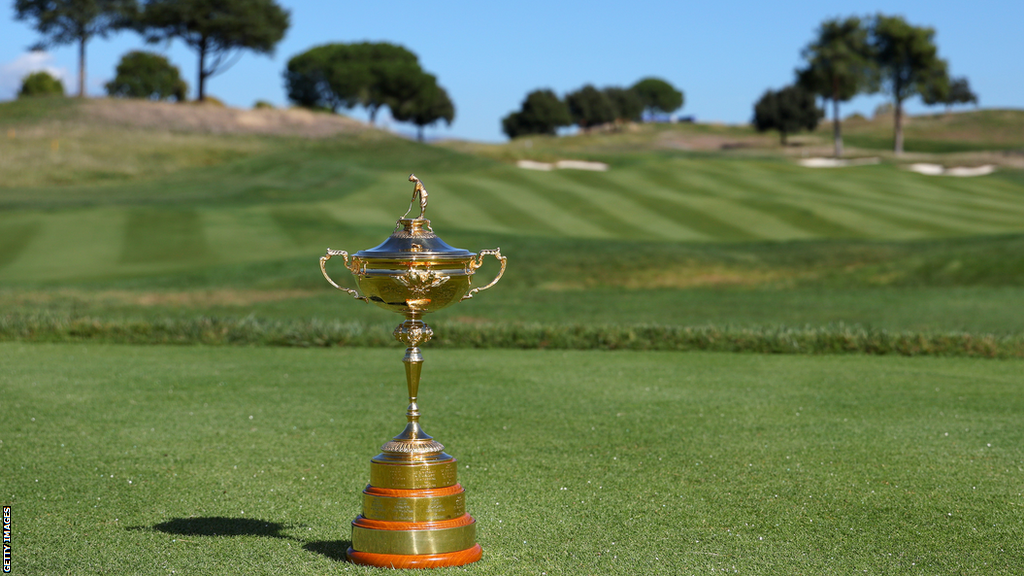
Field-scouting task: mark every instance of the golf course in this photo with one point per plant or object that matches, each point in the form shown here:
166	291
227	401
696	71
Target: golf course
709	357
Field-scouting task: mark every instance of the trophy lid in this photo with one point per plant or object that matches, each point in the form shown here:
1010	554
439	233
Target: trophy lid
413	238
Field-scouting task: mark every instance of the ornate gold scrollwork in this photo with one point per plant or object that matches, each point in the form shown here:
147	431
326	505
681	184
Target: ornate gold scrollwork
420	281
323	268
474	264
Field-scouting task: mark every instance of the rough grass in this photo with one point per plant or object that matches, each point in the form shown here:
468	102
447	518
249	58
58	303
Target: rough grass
152	460
830	339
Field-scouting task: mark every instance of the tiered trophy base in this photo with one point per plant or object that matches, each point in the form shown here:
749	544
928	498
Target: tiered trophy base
414	515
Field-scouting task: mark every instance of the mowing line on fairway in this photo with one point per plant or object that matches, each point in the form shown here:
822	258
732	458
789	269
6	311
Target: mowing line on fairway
927	196
808	216
245	234
543	209
709	226
837	191
496	207
75	243
618	211
172	236
460	212
697	190
15	236
928	217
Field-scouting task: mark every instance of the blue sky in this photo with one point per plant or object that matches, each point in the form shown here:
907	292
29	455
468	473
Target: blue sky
488	55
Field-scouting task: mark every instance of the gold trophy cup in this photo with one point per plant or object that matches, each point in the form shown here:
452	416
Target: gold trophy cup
414	510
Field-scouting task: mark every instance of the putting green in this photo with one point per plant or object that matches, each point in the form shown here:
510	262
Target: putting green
199	460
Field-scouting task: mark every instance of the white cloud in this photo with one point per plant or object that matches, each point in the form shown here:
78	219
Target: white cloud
11	73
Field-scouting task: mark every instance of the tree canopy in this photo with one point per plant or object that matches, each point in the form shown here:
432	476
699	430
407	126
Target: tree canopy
218	30
788	110
589	107
658	96
427	106
908	64
147	75
74	21
40	84
542	112
839	66
626	103
950	93
347	75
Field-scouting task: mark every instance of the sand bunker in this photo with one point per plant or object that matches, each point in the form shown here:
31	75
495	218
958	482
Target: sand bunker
835	162
563	165
961	171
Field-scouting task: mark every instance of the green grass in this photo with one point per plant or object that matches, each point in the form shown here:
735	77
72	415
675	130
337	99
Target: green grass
962	131
232	226
124	459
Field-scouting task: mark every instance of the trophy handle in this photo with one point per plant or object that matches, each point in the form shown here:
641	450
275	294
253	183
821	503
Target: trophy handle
343	254
473	265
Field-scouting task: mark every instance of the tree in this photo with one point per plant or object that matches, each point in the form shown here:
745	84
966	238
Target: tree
429	105
839	66
952	92
589	107
147	75
789	111
218	30
908	63
70	21
658	96
626	102
347	75
542	112
40	84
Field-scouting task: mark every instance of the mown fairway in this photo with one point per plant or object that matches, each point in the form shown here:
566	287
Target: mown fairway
181	225
195	460
250	459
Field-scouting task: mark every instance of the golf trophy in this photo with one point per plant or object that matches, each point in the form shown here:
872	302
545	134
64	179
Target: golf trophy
414	510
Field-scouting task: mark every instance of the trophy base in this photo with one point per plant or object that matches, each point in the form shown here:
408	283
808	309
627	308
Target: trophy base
398	561
414	515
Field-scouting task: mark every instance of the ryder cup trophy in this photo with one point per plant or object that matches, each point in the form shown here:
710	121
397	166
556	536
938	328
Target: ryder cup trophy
414	511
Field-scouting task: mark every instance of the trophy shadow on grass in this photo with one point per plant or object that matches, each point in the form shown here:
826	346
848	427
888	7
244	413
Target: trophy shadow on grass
333	549
221	526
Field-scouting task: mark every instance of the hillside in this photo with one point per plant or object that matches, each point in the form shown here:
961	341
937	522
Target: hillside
154	222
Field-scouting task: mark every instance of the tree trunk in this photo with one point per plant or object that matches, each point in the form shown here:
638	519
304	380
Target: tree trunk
782	137
202	71
837	135
898	128
419	133
81	66
373	114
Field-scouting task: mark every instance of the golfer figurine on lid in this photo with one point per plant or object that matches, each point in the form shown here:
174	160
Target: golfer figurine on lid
414	510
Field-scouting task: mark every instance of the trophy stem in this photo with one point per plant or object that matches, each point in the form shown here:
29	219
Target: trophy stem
413	443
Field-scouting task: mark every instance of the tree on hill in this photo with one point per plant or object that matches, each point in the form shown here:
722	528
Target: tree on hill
74	21
40	84
589	107
658	96
542	112
626	102
218	30
789	111
954	91
427	106
839	66
908	62
147	75
347	75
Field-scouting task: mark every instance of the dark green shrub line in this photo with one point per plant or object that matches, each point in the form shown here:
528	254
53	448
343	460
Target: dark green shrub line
250	331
